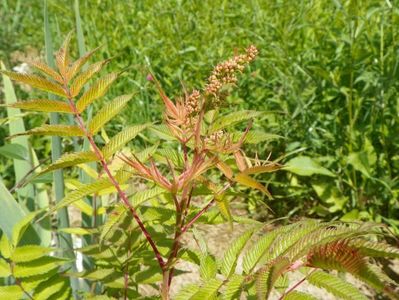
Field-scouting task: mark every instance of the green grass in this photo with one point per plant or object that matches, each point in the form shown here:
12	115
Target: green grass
327	73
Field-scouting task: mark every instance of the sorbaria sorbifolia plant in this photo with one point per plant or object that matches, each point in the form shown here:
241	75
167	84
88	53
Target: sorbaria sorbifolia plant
191	177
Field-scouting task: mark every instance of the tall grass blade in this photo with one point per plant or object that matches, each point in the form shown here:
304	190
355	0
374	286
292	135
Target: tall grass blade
87	221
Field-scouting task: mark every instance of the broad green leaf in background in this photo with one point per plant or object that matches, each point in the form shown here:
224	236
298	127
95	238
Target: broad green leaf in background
10	213
364	161
14	151
21	167
306	166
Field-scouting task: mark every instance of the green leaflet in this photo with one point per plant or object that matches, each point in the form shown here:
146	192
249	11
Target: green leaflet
85	76
224	207
208	267
78	64
233	287
232	119
97	90
53	130
71	159
268	275
187	292
208	290
335	286
38	266
115	217
37	82
20	227
248	181
29	253
46	289
11	292
45	69
100	274
10	213
142	196
231	254
43	105
163	132
4	268
295	295
118	141
256	137
108	112
175	157
85	190
79	230
374	249
149	276
5	247
306	166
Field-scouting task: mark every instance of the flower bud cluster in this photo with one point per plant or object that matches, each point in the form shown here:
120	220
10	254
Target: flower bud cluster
225	73
192	102
215	137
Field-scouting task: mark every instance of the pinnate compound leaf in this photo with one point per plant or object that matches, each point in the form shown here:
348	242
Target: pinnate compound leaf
335	286
11	292
29	253
71	159
97	90
37	82
121	139
43	105
85	76
58	130
231	255
108	112
306	166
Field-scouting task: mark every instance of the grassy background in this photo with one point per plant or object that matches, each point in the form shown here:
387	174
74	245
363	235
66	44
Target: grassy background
326	76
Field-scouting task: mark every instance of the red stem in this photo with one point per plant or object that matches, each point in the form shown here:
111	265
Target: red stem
197	216
115	183
296	285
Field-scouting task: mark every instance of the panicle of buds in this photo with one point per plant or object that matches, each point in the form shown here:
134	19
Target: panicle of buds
225	72
192	102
